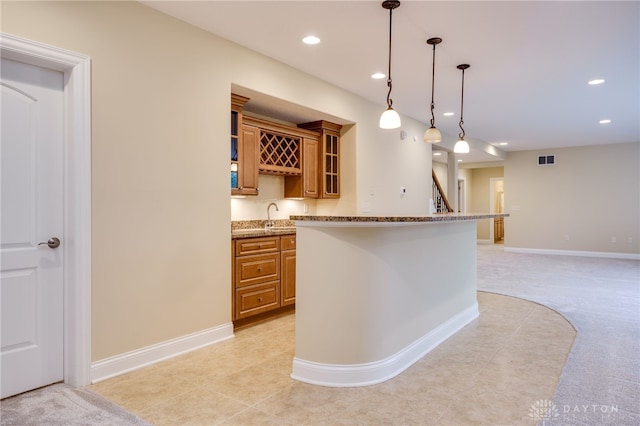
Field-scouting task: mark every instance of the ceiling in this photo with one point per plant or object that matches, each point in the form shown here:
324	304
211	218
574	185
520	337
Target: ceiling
530	62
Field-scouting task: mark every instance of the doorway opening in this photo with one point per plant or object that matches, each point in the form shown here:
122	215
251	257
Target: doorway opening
496	205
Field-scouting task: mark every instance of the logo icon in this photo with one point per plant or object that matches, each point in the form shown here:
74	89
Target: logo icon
543	410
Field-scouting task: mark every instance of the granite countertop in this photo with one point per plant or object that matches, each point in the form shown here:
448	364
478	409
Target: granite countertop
441	217
256	228
250	233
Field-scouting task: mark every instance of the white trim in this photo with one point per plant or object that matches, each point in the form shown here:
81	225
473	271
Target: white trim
340	375
604	254
487	242
139	358
77	194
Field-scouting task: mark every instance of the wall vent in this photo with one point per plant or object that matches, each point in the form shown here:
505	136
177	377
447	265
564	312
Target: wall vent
546	160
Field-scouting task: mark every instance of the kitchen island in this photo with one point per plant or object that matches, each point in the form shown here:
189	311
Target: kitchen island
375	294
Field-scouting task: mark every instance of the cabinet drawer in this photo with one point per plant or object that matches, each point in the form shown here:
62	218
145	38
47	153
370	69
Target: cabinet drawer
257	299
257	269
257	245
288	242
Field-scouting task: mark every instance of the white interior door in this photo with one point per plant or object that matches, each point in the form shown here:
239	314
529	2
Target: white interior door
31	276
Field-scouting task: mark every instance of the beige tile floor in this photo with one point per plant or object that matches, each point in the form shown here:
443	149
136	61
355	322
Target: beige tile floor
489	373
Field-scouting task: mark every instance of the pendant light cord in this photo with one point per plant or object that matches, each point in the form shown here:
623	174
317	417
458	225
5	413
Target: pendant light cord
433	77
389	100
461	135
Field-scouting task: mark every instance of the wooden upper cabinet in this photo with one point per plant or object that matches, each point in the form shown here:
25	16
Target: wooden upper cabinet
248	166
308	184
308	156
329	157
280	147
330	172
244	141
311	186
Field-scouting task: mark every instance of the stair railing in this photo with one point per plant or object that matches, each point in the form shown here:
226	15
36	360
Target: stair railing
437	194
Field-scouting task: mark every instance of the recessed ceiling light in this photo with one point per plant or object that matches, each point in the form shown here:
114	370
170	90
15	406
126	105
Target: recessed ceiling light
311	40
459	161
596	81
503	143
605	121
448	114
378	75
437	153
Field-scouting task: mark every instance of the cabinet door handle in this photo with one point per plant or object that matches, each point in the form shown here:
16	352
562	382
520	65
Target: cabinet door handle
259	299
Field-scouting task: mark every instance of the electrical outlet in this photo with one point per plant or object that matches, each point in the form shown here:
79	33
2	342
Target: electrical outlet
403	191
614	240
630	240
566	237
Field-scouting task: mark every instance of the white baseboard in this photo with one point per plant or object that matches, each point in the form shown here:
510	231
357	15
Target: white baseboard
339	375
129	361
484	242
604	254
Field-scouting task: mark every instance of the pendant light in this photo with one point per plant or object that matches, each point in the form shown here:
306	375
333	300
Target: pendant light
462	147
432	135
390	118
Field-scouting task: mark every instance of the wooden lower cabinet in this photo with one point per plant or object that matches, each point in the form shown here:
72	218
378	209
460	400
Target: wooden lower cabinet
257	299
263	275
288	268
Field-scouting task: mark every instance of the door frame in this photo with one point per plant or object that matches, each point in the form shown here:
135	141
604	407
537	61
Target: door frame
76	69
462	196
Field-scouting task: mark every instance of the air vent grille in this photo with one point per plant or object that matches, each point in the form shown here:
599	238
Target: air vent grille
546	160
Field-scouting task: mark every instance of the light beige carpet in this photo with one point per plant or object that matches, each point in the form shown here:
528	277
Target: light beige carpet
61	404
600	384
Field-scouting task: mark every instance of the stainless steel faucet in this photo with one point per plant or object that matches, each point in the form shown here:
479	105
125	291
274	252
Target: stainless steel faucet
269	223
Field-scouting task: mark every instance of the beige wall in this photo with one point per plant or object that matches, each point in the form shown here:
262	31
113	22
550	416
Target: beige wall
591	195
160	166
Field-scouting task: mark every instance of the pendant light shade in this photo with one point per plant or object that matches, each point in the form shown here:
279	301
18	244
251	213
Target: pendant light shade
390	119
432	135
462	146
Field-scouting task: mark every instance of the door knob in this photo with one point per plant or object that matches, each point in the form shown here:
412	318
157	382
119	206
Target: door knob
54	242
